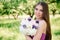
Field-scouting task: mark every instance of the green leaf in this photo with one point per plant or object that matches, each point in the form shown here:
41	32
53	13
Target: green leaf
58	3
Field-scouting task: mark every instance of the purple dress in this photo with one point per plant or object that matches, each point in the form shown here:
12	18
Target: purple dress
42	37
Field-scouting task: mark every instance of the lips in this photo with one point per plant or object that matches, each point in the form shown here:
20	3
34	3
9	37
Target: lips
37	15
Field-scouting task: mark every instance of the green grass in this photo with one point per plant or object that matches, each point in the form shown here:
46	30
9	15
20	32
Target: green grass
9	29
55	27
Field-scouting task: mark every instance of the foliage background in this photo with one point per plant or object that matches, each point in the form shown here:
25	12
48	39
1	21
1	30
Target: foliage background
12	11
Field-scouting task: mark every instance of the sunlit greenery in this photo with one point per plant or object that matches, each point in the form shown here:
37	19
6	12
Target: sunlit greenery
9	29
18	9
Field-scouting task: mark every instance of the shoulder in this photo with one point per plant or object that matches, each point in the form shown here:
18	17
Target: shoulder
43	24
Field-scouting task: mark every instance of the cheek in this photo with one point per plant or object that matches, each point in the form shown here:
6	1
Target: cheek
41	14
38	13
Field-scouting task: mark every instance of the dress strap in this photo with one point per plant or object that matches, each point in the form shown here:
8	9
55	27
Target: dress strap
43	36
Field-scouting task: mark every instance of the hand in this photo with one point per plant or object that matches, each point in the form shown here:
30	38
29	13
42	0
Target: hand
28	38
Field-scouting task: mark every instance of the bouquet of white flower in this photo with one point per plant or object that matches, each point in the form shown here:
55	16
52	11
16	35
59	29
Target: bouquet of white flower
29	26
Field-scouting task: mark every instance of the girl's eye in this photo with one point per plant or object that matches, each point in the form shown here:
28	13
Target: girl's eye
36	9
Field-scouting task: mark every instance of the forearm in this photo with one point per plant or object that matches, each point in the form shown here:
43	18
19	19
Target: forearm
36	39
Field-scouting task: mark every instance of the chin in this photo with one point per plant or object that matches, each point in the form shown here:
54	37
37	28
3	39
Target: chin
38	18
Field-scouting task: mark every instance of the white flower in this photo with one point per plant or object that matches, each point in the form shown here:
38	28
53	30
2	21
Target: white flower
32	32
28	26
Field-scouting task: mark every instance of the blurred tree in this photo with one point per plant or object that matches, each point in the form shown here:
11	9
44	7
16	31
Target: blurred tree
8	5
58	3
52	8
25	7
53	5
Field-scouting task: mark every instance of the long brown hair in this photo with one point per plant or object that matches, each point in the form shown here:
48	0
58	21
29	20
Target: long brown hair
46	18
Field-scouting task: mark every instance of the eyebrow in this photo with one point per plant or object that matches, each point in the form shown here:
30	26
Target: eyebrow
40	9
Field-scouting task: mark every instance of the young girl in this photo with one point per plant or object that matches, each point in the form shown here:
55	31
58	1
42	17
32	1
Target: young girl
42	15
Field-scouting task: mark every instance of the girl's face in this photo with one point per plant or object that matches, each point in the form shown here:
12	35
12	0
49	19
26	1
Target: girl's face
38	12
